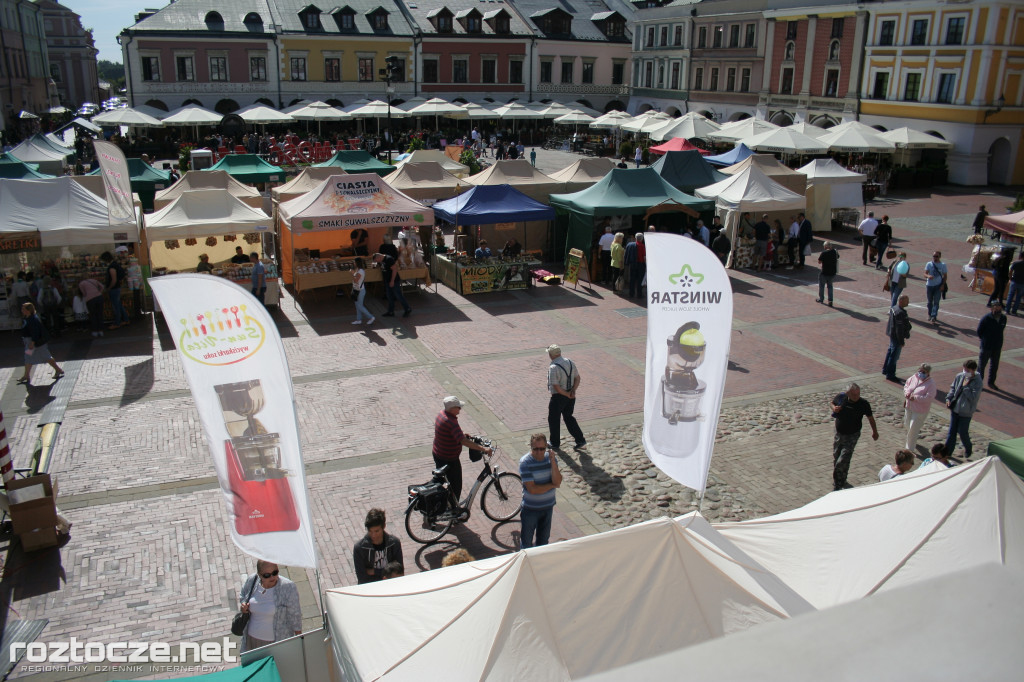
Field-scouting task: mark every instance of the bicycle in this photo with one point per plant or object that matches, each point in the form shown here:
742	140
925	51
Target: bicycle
433	508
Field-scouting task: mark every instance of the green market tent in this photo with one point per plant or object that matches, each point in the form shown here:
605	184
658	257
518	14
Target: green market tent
146	181
624	191
687	170
262	670
1011	452
249	168
356	161
16	169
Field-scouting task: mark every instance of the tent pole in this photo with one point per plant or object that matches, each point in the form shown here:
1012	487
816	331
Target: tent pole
320	592
700	502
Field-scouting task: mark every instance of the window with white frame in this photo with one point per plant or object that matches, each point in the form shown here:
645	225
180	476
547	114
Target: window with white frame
881	85
664	36
332	69
751	38
218	68
946	90
713	85
184	68
150	68
730	80
745	80
648	74
678	42
734	35
955	30
587	78
698	79
257	68
489	70
430	73
298	68
832	83
887	32
718	36
365	68
674	84
919	32
912	87
702	36
460	69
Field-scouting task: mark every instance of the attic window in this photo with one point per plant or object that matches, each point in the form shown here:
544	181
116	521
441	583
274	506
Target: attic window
345	18
471	20
311	19
379	19
252	21
214	21
441	18
498	21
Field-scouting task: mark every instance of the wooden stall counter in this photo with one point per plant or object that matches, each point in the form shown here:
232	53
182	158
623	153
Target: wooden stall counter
304	281
480	277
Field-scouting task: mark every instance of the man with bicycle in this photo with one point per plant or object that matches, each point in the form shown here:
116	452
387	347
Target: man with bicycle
448	442
539	470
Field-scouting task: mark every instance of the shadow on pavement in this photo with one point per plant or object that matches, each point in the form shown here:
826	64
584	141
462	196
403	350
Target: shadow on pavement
38	396
604	485
503	539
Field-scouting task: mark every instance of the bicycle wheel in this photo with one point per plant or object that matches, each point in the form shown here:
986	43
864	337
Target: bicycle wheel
502	497
426	530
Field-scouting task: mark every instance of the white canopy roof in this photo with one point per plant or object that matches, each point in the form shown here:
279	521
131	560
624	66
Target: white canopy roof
424	155
807	129
309	179
353	200
688	126
828	172
261	113
64	213
962	626
855	138
853	543
128	117
830	186
208	179
751	190
914	139
192	115
205	213
560	611
786	141
739	130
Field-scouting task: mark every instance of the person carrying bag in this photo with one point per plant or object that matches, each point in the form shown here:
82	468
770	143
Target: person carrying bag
241	618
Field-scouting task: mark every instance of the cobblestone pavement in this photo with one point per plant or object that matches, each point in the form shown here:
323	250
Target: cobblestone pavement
149	555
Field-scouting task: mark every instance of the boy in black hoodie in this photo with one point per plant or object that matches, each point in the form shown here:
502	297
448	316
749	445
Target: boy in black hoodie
376	550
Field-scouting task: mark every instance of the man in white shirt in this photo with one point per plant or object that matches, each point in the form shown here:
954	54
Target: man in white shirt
793	239
606	253
904	463
704	233
867	229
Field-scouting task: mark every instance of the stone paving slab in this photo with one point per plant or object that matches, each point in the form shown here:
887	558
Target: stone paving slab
757	364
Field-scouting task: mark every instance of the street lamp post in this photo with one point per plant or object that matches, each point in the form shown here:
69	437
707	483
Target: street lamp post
390	73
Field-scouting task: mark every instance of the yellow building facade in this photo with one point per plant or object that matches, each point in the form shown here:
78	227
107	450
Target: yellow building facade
954	69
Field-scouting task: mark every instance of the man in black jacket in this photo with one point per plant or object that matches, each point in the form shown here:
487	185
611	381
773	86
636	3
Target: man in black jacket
899	331
990	333
806	236
376	550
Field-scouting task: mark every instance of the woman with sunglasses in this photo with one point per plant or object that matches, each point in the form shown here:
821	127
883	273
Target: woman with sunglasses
272	602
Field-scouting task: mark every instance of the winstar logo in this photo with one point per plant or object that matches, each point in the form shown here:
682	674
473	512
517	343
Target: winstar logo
686	280
686	277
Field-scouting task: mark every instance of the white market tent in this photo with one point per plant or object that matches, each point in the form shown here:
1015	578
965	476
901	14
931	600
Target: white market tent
208	179
688	126
785	141
558	612
457	169
62	211
309	179
961	626
583	173
740	130
856	138
830	186
854	543
795	181
50	157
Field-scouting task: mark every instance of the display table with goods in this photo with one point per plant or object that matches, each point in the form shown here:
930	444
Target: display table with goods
88	266
336	270
240	274
468	275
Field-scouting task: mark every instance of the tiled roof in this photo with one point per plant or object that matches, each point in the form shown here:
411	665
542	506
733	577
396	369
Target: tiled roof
582	12
423	10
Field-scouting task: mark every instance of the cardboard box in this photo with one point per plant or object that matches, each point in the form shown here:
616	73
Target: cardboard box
33	504
40	538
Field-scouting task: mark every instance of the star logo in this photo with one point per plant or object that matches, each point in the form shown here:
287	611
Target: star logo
686	277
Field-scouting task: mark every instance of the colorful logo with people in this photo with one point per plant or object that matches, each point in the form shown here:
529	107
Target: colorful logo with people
222	335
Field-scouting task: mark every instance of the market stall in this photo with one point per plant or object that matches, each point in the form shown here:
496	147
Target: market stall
208	179
50	157
831	189
731	157
750	191
12	168
1009	227
498	214
583	173
356	161
678	144
794	181
452	166
522	175
56	223
628	192
322	231
211	222
146	181
426	182
309	179
248	168
986	260
687	170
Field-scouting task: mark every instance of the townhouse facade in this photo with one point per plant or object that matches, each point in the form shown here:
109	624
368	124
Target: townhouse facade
24	59
280	52
72	55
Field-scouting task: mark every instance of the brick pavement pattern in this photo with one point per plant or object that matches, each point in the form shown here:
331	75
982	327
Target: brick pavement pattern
150	556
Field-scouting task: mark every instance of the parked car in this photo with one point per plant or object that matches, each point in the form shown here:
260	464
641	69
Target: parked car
88	109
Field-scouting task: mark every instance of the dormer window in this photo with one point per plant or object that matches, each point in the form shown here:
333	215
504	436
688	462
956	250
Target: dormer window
553	21
471	20
499	22
612	24
378	19
214	21
441	18
345	18
253	22
310	17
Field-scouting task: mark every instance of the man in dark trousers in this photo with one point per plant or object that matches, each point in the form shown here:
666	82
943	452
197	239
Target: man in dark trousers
448	443
849	410
806	236
563	380
898	329
829	261
979	219
1016	293
372	554
762	235
392	284
990	334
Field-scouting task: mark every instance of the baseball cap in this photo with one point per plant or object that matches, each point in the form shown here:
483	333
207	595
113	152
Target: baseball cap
452	401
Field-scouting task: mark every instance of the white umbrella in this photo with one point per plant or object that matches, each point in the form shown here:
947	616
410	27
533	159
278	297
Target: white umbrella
515	110
261	113
556	109
295	107
319	111
613	119
411	103
377	109
478	111
57	110
355	105
574	118
739	130
908	138
807	129
26	114
854	139
688	126
127	117
158	114
786	142
192	115
645	123
583	108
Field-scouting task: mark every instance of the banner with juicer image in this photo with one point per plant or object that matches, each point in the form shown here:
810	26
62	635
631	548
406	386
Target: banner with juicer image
689	329
236	367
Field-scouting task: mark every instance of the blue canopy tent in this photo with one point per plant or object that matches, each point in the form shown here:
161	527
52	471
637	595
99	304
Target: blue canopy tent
498	213
733	156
